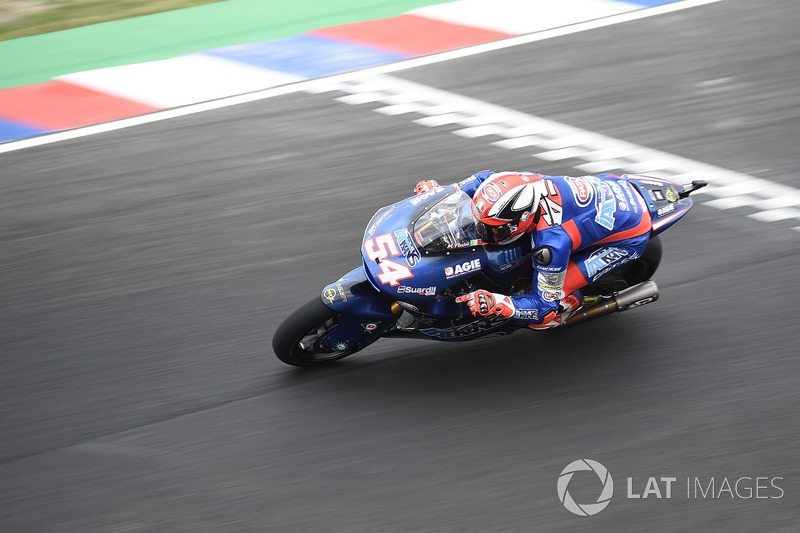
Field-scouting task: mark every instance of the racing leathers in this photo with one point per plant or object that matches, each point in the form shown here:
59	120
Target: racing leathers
584	228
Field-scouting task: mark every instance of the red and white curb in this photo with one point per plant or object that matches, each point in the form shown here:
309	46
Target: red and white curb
113	93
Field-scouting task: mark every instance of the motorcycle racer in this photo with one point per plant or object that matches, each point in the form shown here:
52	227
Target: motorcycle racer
581	229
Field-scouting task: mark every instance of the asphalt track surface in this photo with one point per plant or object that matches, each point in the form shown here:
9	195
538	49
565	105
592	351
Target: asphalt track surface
145	270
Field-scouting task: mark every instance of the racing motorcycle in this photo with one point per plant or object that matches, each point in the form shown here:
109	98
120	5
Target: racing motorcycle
419	254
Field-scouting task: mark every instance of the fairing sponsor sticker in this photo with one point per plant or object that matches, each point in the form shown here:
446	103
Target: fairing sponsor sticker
465	268
407	247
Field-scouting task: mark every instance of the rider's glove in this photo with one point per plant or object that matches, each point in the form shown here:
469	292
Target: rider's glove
487	303
424	186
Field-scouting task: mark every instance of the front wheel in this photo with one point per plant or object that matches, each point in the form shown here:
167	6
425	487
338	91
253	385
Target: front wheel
298	340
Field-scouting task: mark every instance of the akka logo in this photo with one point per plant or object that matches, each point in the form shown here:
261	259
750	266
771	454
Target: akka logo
585	509
581	191
491	193
467	267
407	248
606	205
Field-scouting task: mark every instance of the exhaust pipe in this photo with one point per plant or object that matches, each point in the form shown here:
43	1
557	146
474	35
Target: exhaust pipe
636	296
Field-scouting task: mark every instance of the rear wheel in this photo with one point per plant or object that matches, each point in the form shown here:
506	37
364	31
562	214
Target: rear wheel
632	273
643	268
298	340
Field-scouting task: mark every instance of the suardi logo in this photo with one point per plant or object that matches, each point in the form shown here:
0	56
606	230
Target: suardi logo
585	509
424	291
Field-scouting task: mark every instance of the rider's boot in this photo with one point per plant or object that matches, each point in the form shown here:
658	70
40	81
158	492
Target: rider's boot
566	308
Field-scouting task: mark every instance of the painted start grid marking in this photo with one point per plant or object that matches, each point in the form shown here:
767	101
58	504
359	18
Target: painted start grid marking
505	128
552	141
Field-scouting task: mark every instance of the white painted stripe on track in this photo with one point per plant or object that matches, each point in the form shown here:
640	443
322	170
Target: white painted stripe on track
581	149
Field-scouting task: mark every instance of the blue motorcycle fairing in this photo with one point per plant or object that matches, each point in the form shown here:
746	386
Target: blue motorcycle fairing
364	313
420	247
663	200
400	259
365	316
508	263
474	328
421	252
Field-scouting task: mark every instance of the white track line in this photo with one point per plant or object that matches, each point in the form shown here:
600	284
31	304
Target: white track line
506	128
552	141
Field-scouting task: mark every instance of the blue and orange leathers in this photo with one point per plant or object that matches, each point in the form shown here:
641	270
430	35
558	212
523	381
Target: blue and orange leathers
587	226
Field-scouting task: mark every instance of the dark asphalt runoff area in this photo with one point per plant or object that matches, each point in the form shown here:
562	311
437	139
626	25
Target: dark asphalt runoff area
144	272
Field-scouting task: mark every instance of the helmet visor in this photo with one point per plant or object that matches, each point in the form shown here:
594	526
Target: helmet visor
495	234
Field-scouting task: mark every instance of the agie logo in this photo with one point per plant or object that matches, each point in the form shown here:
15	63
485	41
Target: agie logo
468	267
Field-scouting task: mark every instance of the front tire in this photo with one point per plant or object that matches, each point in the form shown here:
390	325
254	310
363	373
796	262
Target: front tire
297	340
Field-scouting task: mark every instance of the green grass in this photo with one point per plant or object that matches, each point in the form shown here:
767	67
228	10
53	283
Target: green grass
22	18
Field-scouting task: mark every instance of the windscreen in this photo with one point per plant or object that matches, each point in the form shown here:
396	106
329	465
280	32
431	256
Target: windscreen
449	224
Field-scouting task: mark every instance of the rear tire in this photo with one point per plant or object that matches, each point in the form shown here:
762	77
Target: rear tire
296	341
643	268
632	273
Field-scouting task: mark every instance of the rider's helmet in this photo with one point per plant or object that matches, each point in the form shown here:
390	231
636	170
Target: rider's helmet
506	206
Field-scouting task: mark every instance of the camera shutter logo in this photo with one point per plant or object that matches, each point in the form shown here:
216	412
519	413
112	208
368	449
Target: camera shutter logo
585	509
